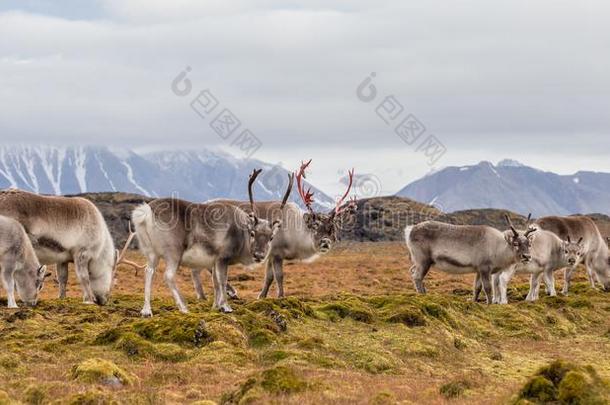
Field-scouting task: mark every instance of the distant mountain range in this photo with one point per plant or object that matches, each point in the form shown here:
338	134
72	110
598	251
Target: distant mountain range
192	175
513	186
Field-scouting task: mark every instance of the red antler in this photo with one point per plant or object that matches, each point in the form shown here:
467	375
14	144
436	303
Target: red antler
306	196
338	209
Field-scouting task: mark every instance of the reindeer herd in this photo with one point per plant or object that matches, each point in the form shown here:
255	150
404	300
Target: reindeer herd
36	231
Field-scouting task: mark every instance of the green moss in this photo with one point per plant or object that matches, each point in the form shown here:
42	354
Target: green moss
9	361
539	388
282	380
566	383
99	371
408	317
349	308
89	398
185	329
580	303
241	395
454	389
135	346
311	343
34	395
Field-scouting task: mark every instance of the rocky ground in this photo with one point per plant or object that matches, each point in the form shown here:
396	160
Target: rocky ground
351	331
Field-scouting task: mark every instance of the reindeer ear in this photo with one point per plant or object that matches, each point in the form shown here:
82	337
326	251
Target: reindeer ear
277	224
509	237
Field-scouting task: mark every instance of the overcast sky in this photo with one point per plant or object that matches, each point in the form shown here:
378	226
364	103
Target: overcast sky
519	79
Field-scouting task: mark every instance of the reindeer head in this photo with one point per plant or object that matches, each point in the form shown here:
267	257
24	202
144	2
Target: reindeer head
573	251
520	242
323	226
262	231
29	284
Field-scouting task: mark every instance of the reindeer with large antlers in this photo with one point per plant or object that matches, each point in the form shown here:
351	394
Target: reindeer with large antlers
67	230
213	235
304	235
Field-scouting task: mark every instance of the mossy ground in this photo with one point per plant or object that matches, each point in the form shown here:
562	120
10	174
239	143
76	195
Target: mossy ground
353	331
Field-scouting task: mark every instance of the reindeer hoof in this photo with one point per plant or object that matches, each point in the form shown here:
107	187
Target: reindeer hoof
146	313
233	296
225	309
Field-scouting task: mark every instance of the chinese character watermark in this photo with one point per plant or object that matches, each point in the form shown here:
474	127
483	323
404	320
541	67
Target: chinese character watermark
225	123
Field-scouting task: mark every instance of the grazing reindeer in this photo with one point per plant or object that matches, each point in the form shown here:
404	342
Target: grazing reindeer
594	247
549	253
19	264
64	230
213	235
304	236
461	249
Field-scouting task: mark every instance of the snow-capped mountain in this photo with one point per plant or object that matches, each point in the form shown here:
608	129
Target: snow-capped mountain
192	175
514	186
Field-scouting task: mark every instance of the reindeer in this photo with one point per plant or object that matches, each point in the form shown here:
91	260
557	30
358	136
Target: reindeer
213	235
594	247
549	253
461	249
304	235
64	230
19	264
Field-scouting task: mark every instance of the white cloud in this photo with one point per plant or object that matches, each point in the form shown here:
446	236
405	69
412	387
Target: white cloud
520	77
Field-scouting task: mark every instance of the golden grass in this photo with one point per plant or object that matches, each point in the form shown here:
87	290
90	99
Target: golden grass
351	331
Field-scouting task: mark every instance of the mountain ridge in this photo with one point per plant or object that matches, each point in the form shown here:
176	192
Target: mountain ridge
513	186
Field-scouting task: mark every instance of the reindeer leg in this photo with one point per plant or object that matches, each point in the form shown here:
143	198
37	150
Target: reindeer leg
171	269
504	278
81	263
196	277
532	295
221	273
149	273
477	288
486	280
591	276
418	273
268	280
278	272
549	281
62	278
567	277
231	291
9	284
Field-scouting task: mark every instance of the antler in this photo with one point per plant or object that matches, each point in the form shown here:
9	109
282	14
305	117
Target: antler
253	177
121	256
530	228
338	209
510	224
288	190
306	196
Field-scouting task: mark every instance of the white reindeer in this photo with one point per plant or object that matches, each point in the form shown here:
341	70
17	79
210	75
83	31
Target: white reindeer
18	263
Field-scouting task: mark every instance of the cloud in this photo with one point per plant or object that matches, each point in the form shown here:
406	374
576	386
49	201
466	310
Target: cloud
517	76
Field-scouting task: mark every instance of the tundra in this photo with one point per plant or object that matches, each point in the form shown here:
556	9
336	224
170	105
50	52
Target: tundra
462	249
19	264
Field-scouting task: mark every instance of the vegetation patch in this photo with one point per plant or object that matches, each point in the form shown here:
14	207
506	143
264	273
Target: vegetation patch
454	389
348	308
565	383
99	371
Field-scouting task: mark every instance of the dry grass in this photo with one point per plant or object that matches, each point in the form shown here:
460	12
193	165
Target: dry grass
352	331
